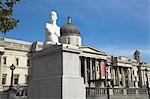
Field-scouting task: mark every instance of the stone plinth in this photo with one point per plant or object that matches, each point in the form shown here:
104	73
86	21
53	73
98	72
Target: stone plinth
55	74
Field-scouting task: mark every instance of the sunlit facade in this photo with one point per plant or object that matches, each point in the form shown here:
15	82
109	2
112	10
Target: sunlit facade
97	67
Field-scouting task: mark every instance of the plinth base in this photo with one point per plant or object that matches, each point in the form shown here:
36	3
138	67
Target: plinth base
55	74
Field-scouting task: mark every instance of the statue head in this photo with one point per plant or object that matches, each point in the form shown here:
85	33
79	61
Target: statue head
53	16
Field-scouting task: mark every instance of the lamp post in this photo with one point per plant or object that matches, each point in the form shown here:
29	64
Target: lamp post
108	96
147	84
12	67
107	82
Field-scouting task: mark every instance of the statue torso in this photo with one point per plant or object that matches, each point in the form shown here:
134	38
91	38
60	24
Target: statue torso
52	33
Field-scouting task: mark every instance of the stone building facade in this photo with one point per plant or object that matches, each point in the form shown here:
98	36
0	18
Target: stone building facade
13	52
97	67
102	70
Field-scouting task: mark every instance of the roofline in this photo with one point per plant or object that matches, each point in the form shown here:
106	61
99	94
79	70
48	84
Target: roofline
19	41
16	41
93	49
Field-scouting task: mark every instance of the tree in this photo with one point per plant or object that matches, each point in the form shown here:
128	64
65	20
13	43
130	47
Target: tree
7	22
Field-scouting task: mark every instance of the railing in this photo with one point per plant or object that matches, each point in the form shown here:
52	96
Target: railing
142	91
96	91
115	91
16	87
20	91
131	90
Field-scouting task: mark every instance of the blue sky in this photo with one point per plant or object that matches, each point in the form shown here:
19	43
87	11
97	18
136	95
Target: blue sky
118	27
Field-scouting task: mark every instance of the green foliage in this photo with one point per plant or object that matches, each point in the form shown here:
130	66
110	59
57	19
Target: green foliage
7	22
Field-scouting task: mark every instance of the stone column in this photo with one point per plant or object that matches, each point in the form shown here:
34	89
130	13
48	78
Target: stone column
91	69
97	69
1	70
114	76
144	78
123	80
91	73
132	82
118	79
129	77
94	68
85	70
141	78
123	77
148	79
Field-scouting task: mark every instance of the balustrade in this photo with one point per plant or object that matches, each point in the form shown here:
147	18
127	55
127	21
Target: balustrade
116	91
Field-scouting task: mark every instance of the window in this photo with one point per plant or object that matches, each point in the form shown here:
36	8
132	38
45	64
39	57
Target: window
121	83
16	79
26	79
68	40
4	79
4	60
28	62
17	61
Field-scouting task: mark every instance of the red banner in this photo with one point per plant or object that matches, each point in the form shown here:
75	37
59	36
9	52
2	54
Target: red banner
102	70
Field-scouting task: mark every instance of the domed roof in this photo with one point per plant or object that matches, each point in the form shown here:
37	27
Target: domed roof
69	29
137	52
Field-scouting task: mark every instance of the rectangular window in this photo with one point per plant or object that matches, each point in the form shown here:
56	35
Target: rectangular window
16	79
4	79
26	79
68	40
28	62
4	60
121	83
17	61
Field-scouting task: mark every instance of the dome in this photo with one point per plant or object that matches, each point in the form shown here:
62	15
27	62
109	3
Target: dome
137	52
69	29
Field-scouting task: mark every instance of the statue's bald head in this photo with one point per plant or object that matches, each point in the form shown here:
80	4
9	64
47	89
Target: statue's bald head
53	15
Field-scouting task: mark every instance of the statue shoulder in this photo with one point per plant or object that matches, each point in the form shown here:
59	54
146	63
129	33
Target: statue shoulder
57	27
47	25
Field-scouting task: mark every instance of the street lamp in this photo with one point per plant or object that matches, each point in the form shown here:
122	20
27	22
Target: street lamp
108	96
107	82
147	84
12	67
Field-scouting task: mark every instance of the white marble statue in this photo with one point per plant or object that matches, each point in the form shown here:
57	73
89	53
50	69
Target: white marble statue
52	33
